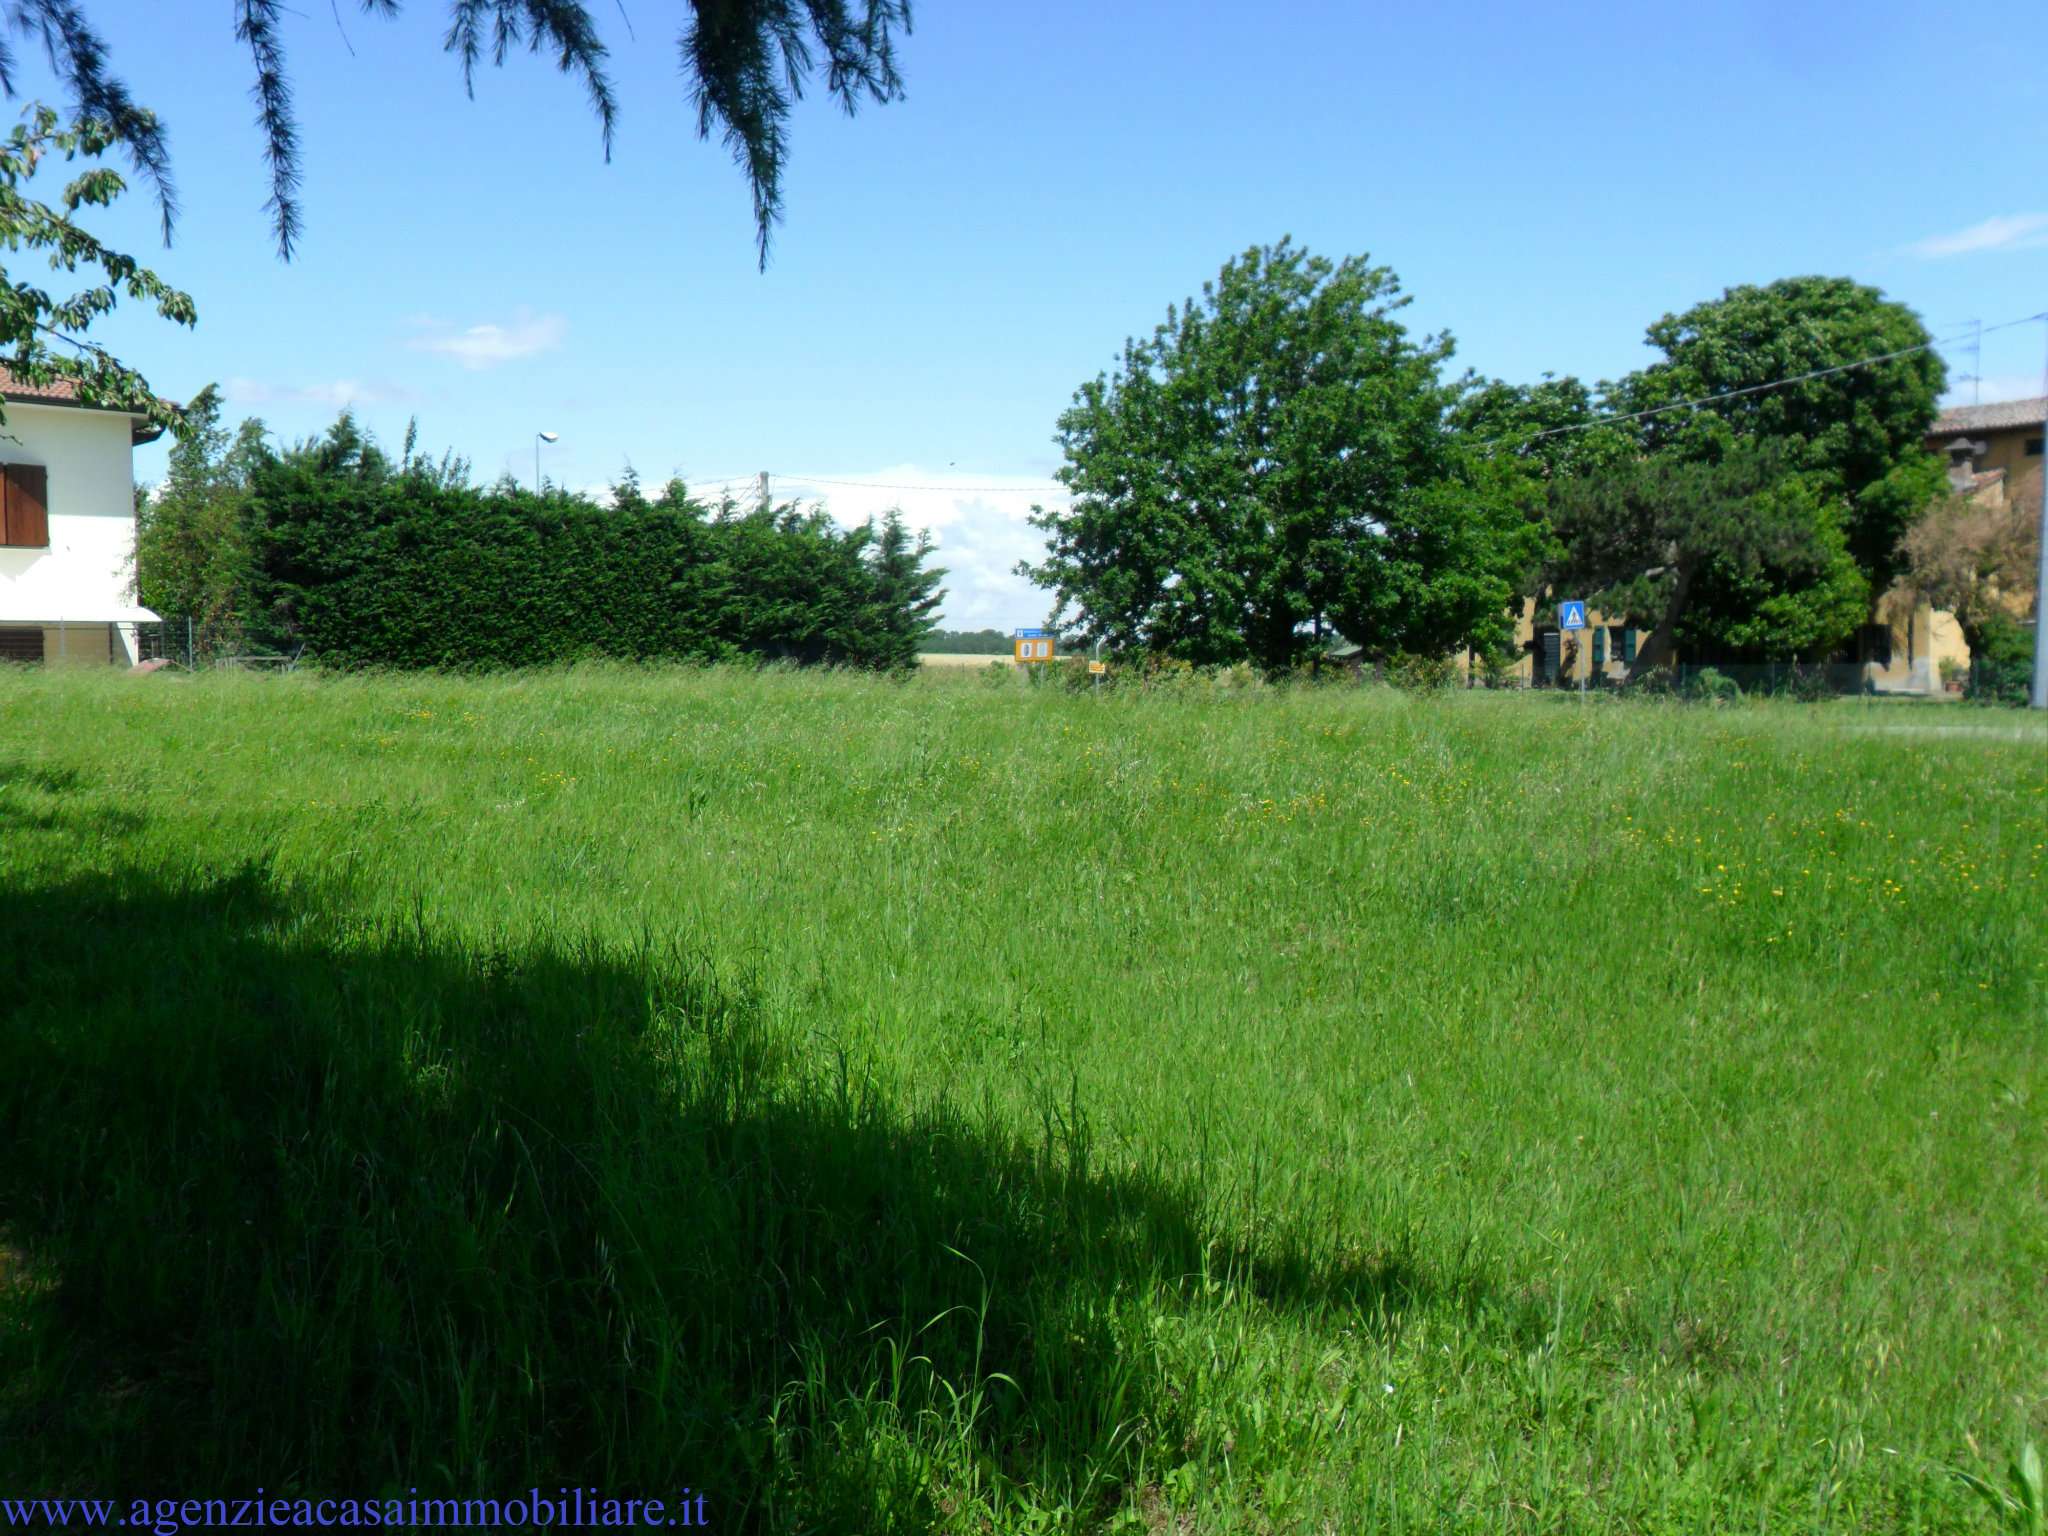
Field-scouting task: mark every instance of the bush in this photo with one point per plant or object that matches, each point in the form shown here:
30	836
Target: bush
1711	686
1497	667
1656	683
2002	665
1158	673
1421	674
1067	672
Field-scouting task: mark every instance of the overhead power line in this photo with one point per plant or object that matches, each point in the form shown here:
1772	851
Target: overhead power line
1973	334
1032	487
1798	378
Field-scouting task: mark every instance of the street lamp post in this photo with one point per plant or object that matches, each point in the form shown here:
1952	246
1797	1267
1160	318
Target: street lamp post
538	439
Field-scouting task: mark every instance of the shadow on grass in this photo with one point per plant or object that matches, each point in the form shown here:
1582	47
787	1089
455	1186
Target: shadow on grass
32	800
321	1205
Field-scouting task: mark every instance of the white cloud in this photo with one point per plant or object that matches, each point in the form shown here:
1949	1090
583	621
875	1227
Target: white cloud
978	522
979	549
337	393
490	345
2005	232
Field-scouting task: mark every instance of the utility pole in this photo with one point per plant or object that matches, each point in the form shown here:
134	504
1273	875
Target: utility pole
2037	696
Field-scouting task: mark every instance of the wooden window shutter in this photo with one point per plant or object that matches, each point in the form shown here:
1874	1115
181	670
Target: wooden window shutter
27	510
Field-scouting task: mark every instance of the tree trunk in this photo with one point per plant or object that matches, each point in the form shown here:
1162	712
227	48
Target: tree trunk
1658	647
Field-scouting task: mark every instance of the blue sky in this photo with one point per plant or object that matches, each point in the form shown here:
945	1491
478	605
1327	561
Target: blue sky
1546	180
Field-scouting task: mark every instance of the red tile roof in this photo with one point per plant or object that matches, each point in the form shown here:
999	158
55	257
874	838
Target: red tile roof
65	392
57	390
2003	416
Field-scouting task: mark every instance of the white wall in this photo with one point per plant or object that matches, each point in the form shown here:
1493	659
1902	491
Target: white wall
86	571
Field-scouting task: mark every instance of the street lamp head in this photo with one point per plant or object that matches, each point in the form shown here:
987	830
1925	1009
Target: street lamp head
538	439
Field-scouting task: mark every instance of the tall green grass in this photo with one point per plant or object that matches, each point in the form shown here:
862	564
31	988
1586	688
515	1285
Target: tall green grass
958	1105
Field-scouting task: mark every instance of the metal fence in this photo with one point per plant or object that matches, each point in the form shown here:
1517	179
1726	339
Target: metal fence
1800	679
194	644
169	640
1983	680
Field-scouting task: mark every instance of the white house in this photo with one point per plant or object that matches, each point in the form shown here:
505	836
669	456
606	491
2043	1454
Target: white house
67	526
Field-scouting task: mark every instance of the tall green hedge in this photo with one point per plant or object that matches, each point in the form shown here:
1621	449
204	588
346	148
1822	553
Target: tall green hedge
408	571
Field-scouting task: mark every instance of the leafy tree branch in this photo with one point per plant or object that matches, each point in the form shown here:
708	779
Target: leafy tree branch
43	335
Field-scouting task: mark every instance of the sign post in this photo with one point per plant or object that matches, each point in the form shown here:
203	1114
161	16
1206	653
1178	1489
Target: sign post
1033	645
1571	618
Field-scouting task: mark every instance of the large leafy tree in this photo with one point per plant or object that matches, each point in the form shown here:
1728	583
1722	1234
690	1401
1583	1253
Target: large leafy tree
1744	557
1537	434
45	336
192	538
1275	463
1857	431
1549	429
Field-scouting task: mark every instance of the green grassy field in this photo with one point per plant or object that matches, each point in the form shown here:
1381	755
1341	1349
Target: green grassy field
969	1106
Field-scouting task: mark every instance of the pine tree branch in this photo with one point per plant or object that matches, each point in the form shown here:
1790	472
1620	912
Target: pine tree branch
79	57
749	62
256	25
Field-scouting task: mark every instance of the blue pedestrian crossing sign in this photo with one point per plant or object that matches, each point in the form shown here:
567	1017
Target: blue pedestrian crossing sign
1571	615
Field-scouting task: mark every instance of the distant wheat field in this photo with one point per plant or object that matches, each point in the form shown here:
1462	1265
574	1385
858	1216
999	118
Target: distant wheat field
966	1104
952	659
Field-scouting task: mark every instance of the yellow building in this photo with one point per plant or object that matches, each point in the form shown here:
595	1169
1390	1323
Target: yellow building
1547	657
1994	455
1994	452
1994	447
